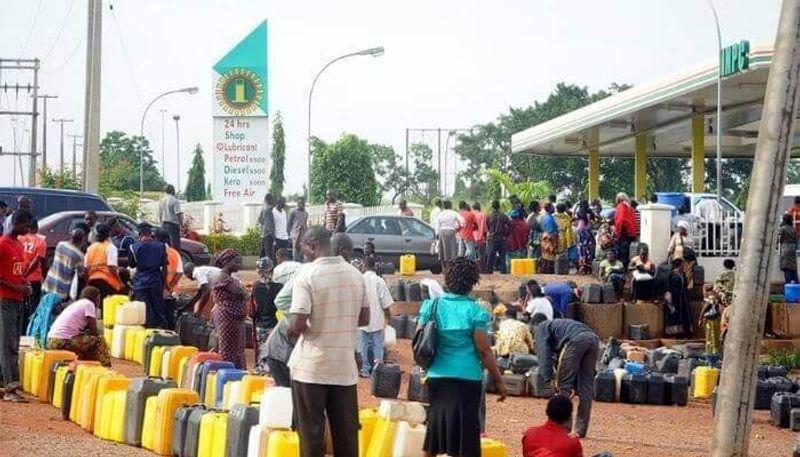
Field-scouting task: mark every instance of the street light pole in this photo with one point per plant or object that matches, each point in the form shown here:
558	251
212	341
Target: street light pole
163	150
719	101
374	52
177	118
188	90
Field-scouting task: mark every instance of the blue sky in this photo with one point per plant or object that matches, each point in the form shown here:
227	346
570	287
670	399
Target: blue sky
447	63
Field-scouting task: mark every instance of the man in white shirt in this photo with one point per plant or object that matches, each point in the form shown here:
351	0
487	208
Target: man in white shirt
281	227
370	337
446	225
437	208
537	302
329	303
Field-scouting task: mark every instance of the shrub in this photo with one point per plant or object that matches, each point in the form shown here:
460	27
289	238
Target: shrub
784	357
248	244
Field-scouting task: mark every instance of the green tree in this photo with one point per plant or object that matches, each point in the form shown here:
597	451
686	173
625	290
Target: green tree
489	146
58	179
209	195
423	179
391	173
119	163
276	176
196	185
345	166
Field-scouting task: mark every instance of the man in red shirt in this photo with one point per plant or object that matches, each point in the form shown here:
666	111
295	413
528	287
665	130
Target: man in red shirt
479	235
624	227
35	246
466	235
552	439
14	289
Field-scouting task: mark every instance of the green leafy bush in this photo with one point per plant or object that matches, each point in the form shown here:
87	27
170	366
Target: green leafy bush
784	357
248	244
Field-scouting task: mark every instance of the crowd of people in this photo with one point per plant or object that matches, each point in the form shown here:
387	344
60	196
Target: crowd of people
320	311
557	234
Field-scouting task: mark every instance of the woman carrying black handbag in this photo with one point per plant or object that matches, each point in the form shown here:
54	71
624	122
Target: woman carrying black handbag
454	344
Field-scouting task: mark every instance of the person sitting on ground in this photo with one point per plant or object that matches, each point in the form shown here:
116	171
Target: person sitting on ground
75	329
576	346
552	438
203	275
612	271
286	267
537	302
643	272
101	263
513	336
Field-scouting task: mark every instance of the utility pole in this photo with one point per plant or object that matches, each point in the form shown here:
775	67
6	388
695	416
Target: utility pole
34	122
736	392
62	121
177	118
75	154
44	98
163	147
91	111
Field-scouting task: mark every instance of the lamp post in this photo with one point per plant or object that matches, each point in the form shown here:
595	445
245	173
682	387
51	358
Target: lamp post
719	101
188	90
177	118
374	52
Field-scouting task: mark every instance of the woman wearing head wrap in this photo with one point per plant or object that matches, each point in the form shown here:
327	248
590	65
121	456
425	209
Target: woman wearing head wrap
101	263
230	299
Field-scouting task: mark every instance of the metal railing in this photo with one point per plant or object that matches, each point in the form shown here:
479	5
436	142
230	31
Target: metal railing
720	237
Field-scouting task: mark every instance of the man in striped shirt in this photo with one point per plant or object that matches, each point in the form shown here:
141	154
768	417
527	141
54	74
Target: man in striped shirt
333	211
329	303
67	260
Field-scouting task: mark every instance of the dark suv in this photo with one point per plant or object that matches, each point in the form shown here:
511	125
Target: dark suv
51	201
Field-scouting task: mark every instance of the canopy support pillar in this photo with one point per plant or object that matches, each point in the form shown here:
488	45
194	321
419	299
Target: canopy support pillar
698	153
594	165
640	167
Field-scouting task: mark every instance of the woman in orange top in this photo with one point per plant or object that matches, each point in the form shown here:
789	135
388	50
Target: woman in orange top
101	263
174	263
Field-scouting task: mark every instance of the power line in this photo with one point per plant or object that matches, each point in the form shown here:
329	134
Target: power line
69	57
125	54
60	30
33	27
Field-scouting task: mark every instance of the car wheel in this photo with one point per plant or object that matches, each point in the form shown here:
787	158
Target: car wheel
186	258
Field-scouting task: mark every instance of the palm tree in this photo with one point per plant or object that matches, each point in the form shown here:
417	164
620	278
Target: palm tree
527	191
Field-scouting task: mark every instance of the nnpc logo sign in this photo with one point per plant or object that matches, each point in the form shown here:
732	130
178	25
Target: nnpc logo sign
239	91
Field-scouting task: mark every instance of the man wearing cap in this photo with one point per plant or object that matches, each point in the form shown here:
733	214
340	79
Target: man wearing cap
149	257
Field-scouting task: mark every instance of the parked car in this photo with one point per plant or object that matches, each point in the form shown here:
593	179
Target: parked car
57	227
394	236
51	201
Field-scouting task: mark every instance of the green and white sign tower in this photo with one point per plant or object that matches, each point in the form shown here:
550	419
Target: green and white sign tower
241	120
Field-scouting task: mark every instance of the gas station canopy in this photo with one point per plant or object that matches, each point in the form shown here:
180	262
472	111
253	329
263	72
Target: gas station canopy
672	117
663	111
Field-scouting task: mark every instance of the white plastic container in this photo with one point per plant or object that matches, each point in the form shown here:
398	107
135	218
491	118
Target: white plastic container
414	413
408	440
389	337
276	408
618	374
391	410
118	340
131	313
231	394
254	441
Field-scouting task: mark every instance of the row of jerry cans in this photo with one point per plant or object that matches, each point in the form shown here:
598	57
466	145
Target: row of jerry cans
206	432
380	436
641	388
135	343
35	368
120	310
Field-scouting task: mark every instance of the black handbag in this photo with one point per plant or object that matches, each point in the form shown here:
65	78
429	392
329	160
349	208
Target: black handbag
425	340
